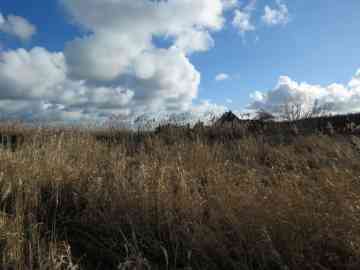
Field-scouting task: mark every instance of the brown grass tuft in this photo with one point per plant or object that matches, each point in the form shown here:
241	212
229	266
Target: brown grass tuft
69	201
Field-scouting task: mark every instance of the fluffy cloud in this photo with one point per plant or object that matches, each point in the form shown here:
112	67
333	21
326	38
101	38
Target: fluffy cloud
30	74
206	112
334	98
355	81
136	22
276	16
102	56
17	26
222	77
35	85
120	51
242	21
194	41
115	67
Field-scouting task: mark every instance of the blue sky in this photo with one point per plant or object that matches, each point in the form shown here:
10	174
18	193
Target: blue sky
319	45
316	42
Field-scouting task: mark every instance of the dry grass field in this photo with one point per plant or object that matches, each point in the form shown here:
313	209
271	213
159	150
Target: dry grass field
168	201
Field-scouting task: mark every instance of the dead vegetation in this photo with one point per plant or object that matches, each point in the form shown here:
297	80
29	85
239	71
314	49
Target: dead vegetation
179	201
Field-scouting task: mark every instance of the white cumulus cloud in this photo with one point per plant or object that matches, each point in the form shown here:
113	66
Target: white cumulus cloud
334	98
34	84
115	67
17	26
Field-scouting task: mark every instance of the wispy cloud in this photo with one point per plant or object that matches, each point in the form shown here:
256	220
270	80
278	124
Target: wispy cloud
242	20
251	6
229	4
222	77
277	15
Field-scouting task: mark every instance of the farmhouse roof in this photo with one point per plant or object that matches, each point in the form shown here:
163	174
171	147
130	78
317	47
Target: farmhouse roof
228	117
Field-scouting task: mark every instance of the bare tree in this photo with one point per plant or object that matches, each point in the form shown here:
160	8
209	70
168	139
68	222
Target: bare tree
263	115
117	121
291	111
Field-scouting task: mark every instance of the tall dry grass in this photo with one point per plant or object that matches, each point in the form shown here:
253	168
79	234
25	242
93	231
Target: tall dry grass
69	201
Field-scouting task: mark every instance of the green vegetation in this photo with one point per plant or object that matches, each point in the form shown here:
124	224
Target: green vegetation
170	201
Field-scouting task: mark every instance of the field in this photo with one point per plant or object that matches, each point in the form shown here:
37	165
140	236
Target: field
176	201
